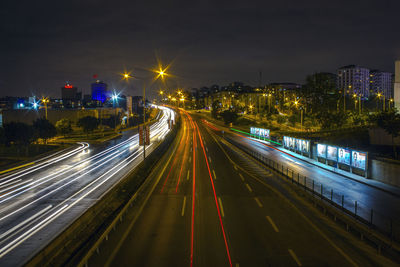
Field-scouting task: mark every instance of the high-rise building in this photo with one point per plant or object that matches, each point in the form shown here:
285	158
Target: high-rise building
353	79
69	92
381	82
397	85
99	91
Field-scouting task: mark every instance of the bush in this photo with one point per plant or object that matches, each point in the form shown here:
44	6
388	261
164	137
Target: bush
281	119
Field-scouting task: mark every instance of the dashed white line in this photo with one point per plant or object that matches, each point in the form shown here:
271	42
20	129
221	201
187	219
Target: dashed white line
241	177
187	176
209	159
190	159
222	208
249	188
183	206
294	257
272	223
258	202
215	176
207	149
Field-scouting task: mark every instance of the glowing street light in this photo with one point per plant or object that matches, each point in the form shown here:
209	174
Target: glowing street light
45	101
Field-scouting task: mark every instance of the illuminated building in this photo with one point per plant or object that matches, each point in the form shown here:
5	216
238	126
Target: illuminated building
99	91
381	82
353	79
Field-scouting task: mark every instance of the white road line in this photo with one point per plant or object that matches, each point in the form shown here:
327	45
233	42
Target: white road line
183	206
187	176
207	149
258	202
272	223
241	177
294	257
222	208
249	188
190	159
215	176
209	159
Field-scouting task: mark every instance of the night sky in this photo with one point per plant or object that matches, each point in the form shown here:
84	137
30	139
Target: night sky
43	44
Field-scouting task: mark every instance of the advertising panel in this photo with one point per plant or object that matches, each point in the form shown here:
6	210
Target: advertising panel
260	132
344	156
298	144
332	153
358	159
305	146
321	151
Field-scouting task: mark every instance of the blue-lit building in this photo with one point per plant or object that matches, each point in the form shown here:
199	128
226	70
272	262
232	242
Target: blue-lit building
99	91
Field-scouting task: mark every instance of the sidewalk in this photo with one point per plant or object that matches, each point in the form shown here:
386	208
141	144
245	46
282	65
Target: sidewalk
373	183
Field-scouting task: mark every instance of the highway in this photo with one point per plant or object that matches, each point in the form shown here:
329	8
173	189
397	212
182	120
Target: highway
367	197
38	202
214	206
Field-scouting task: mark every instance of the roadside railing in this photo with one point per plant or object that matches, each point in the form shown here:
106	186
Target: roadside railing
355	208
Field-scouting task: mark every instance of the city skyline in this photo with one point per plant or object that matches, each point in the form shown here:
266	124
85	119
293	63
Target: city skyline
210	43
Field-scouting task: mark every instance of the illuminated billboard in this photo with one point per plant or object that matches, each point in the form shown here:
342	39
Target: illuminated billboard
321	151
358	160
332	153
296	144
260	132
344	156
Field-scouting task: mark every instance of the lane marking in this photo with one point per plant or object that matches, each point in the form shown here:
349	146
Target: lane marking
272	223
237	265
215	176
222	208
258	202
209	159
234	166
207	149
241	177
183	206
294	257
338	249
187	176
190	159
18	167
249	188
215	198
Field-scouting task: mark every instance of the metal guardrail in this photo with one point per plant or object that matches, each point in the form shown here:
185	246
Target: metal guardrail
361	212
119	217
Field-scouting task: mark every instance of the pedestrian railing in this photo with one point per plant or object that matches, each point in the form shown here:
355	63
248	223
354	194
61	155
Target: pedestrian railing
353	207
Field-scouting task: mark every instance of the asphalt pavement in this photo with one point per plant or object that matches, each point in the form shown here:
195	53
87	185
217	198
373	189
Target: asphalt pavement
215	206
40	201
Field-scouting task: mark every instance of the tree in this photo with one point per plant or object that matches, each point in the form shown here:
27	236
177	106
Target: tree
44	129
330	120
64	127
216	108
18	133
390	122
229	116
88	124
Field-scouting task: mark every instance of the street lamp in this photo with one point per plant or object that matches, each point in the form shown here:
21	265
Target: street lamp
390	103
114	98
45	101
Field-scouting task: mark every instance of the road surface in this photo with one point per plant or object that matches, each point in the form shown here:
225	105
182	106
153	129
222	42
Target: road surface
215	206
38	202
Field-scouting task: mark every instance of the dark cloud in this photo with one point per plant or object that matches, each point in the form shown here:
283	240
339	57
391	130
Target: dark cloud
45	43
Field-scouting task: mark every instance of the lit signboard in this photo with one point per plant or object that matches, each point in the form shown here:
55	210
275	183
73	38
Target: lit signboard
344	156
296	144
321	151
260	132
331	153
358	159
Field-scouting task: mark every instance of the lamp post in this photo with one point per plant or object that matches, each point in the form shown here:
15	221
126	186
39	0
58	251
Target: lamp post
45	101
115	99
160	74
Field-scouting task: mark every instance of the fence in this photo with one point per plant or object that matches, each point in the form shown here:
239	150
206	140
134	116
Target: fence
372	218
